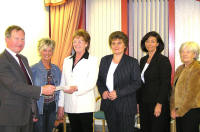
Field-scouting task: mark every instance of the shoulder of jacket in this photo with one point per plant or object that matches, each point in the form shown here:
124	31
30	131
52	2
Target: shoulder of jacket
2	56
141	61
68	58
93	58
55	67
130	57
161	57
23	57
106	56
196	66
179	68
144	57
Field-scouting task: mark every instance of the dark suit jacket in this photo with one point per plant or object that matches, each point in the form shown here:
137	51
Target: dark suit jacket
15	93
126	81
157	76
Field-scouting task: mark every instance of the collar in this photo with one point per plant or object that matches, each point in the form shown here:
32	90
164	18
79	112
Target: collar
85	55
190	65
11	52
41	65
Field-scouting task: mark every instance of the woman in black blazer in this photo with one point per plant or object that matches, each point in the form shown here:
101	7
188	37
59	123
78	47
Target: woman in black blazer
118	80
153	96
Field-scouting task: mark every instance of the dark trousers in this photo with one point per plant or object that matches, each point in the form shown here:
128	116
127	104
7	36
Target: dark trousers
81	122
189	122
119	122
46	120
25	128
150	123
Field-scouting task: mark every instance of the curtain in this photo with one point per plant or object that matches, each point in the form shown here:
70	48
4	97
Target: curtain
64	21
102	18
54	2
187	24
145	16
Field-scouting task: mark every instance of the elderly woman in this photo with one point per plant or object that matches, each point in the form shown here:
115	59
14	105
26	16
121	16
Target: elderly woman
153	96
79	76
46	73
118	80
185	99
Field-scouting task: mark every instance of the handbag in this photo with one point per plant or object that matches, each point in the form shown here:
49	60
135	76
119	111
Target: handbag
137	123
173	126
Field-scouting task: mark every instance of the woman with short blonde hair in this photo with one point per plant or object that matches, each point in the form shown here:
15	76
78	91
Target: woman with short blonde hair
44	72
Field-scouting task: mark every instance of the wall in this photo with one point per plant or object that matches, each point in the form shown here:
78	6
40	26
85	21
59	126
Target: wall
102	18
145	16
32	16
187	24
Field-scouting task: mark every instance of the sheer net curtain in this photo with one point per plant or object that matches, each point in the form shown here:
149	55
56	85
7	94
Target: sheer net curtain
187	24
145	16
64	21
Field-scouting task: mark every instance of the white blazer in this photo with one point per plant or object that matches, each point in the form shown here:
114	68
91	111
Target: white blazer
84	76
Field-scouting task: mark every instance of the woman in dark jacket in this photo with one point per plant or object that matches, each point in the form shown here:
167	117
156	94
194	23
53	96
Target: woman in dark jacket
118	80
153	96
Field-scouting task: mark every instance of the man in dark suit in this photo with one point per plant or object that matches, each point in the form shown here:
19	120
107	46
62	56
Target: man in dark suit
16	90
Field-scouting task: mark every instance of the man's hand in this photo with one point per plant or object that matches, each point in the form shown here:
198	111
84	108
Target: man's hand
48	89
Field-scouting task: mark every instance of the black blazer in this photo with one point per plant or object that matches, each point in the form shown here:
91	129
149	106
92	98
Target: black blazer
157	86
15	93
126	81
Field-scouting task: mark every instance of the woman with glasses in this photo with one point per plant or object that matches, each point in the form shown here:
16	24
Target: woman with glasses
44	72
79	76
153	96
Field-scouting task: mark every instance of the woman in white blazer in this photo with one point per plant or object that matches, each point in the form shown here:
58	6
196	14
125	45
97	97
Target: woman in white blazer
79	75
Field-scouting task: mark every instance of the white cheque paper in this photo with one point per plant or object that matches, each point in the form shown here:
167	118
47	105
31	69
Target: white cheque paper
61	88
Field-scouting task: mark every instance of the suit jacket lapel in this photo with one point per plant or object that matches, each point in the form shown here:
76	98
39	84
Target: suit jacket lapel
154	58
143	62
27	67
120	64
150	64
107	65
14	63
118	71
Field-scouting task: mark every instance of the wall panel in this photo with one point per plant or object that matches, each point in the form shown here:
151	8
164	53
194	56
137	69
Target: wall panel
145	16
102	18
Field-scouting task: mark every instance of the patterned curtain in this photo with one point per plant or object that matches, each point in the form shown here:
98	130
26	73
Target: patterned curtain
64	21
